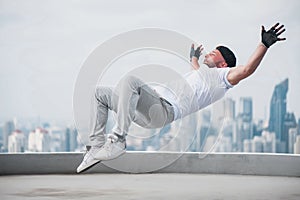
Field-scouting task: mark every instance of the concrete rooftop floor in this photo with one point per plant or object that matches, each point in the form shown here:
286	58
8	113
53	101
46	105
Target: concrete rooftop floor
149	186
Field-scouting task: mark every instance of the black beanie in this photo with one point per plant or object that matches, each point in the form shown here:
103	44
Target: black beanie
228	55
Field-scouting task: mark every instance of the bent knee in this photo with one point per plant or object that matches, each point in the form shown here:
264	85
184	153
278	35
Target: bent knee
129	79
102	91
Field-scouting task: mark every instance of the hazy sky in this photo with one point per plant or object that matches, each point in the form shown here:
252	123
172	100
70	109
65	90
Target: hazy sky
44	43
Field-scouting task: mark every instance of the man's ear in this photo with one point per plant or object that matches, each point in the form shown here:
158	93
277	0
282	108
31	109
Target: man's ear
222	64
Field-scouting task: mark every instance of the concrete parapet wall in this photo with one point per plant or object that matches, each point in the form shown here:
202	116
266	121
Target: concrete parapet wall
158	162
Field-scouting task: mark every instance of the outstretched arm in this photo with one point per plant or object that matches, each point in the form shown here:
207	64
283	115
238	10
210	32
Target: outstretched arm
236	74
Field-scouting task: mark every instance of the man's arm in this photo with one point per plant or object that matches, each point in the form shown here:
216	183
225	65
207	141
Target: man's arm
195	63
236	74
269	37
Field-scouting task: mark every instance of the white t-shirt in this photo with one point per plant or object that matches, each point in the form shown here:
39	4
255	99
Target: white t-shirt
196	90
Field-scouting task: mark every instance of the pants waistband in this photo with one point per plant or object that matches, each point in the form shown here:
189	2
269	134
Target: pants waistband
164	100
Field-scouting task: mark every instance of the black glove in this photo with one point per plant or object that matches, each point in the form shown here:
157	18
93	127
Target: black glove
271	36
196	53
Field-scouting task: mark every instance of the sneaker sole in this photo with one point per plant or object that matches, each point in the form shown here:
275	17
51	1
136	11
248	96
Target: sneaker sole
89	167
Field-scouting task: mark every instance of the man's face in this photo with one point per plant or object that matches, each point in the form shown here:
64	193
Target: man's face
215	59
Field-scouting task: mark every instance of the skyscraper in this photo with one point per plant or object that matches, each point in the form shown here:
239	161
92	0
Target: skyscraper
67	140
289	123
269	142
246	108
204	129
1	137
292	139
297	145
16	142
228	127
298	127
39	141
244	125
9	127
70	139
257	144
229	107
277	113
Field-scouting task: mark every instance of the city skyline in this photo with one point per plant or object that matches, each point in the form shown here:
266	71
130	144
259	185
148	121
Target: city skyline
231	129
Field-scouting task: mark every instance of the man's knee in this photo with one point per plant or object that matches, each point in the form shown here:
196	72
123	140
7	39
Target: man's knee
101	92
129	80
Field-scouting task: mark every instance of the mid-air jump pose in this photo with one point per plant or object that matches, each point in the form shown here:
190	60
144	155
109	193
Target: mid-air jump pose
152	107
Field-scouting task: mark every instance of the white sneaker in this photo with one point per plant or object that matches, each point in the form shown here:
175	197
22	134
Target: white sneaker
112	148
89	159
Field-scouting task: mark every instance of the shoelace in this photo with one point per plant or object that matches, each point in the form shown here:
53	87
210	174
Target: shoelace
112	138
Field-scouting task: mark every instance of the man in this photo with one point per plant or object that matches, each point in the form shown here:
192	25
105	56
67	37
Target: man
154	107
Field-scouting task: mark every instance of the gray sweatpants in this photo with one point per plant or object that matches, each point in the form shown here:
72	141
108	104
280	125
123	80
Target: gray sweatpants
131	100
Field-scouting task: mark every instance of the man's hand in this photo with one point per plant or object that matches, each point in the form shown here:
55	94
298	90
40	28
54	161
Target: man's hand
271	36
196	53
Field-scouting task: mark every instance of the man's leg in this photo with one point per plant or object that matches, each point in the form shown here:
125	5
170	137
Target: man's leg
104	97
139	103
103	102
152	111
128	91
127	94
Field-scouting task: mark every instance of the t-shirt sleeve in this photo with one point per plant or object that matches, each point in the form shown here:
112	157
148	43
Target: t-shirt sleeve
223	72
